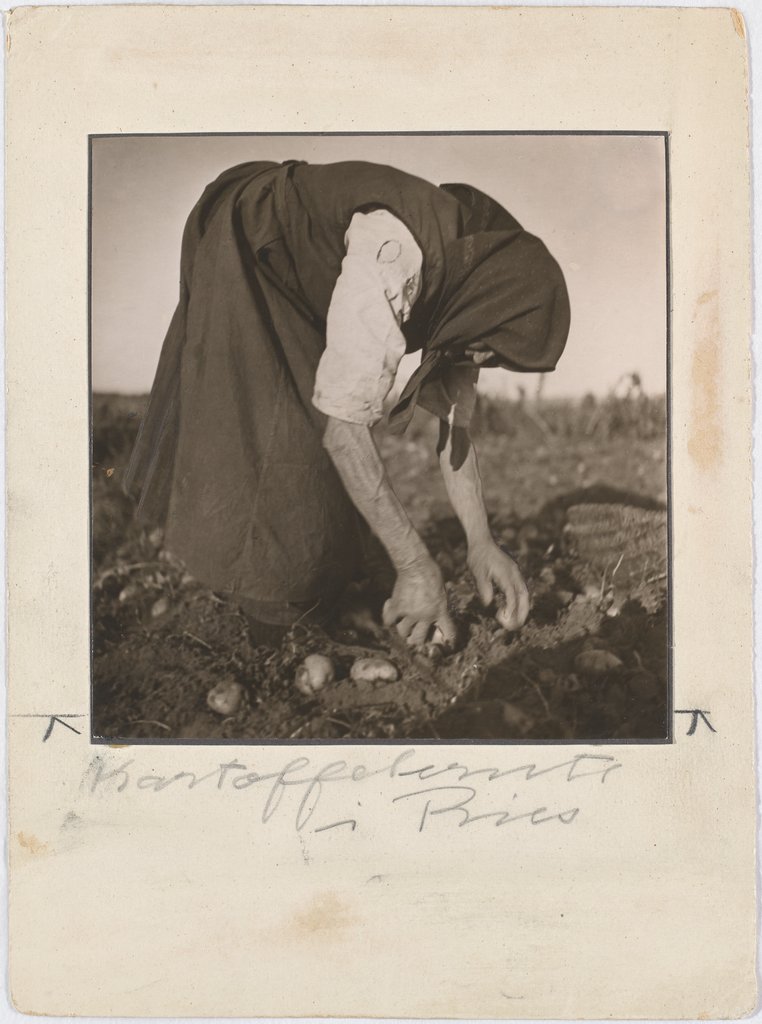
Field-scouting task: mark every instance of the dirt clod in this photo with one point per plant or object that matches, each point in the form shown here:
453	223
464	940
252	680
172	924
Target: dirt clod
596	662
160	607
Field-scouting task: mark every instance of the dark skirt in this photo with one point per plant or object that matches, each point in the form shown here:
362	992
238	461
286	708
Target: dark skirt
229	458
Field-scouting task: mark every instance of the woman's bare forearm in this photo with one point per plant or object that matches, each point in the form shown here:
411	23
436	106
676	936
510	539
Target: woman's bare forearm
355	456
460	470
493	570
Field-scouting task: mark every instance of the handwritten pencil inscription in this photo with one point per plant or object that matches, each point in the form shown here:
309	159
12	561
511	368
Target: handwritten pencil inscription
421	792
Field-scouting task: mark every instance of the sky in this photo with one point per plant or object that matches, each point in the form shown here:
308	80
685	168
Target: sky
598	203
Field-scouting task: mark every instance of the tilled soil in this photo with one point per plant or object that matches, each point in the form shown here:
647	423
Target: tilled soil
583	515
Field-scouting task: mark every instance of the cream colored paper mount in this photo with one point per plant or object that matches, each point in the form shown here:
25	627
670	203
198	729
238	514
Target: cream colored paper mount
180	903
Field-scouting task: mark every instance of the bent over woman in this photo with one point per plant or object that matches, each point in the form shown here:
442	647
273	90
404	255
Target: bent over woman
302	286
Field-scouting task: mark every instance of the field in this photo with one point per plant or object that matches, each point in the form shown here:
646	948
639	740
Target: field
576	492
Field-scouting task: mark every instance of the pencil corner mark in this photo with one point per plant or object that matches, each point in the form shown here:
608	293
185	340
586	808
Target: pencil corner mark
697	715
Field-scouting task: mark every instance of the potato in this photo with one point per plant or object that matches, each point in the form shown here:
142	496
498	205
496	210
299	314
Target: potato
374	670
225	698
315	672
161	607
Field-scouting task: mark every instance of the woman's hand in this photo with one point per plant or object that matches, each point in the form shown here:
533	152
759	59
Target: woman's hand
418	603
492	568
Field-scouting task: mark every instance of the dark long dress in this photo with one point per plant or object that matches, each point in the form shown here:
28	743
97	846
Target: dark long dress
229	458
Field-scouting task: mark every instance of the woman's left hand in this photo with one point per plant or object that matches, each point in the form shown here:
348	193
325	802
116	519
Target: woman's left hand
492	568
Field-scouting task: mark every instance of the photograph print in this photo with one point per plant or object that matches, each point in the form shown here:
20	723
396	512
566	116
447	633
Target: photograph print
379	438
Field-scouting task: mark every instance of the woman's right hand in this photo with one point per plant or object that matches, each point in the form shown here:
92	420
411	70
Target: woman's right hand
419	603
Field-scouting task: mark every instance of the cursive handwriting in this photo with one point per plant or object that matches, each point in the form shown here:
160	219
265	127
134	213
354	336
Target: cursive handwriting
454	792
454	800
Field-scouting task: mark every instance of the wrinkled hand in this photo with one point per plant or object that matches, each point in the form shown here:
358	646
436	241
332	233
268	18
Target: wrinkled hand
419	603
493	569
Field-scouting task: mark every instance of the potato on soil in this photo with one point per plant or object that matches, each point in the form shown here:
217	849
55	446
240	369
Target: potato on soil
315	672
225	698
374	670
160	607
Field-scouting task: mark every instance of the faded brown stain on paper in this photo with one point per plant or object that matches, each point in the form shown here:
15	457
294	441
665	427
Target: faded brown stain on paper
705	438
738	23
32	845
325	914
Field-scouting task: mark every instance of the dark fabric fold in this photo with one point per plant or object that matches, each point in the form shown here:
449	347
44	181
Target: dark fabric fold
229	457
501	286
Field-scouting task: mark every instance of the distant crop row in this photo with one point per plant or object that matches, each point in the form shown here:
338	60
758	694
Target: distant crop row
631	416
